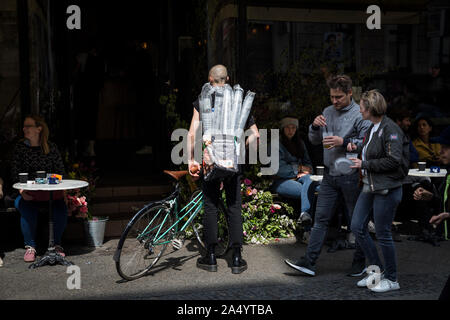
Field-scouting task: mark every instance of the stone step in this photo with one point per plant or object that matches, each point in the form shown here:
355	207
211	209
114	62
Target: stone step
126	191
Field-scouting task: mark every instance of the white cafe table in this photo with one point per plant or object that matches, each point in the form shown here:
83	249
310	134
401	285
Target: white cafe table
51	257
427	173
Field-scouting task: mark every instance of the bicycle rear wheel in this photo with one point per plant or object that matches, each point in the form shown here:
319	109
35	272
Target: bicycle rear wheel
223	236
143	242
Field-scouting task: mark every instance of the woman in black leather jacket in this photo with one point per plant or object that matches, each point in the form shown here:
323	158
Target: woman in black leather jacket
384	164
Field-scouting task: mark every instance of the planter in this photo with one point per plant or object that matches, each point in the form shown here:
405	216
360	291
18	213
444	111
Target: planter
95	231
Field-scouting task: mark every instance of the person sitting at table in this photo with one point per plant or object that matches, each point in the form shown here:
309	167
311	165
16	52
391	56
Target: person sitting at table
436	199
428	150
36	153
293	177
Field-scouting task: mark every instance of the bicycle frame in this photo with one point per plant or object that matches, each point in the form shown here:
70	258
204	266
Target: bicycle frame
195	206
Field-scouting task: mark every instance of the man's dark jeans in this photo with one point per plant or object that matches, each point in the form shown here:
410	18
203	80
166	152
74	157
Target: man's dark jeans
384	207
330	190
211	197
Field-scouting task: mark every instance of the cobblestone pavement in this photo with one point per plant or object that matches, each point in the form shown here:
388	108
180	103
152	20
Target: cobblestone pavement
423	270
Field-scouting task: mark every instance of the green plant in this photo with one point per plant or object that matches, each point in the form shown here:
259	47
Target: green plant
263	219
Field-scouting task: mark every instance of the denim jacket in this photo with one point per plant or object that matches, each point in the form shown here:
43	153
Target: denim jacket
289	164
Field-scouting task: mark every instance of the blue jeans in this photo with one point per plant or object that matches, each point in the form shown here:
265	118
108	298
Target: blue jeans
384	207
29	214
295	189
331	189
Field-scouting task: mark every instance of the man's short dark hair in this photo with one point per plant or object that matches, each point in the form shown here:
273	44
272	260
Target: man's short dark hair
399	113
341	82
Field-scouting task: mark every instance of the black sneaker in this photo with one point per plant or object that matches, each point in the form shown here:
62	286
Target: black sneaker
303	265
208	262
358	269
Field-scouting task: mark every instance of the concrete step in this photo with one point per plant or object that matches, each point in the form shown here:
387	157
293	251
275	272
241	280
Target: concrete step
126	191
113	201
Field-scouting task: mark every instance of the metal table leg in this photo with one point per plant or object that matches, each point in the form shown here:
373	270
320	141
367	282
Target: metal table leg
51	257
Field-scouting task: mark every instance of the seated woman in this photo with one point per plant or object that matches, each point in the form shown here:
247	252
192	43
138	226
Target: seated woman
428	151
31	154
293	177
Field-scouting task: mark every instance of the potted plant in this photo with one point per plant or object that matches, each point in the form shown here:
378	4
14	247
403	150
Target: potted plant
94	227
77	201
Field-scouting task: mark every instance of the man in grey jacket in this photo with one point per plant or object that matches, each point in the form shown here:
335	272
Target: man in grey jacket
343	123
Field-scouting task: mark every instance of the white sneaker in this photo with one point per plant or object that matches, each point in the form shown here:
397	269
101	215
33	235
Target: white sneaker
1	262
363	283
351	238
371	227
386	285
304	218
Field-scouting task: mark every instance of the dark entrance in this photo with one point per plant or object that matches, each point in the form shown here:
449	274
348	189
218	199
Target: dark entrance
113	73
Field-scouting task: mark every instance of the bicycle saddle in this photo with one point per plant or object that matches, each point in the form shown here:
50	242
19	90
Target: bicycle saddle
177	175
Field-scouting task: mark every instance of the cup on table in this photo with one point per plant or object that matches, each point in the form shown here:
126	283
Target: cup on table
320	170
422	166
41	174
327	134
23	177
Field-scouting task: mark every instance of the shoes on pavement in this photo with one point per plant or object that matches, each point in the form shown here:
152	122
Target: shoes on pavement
371	227
358	269
60	251
30	254
363	283
304	218
239	265
302	265
208	262
386	285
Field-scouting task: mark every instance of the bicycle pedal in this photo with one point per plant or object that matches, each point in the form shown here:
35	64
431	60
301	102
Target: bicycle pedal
177	244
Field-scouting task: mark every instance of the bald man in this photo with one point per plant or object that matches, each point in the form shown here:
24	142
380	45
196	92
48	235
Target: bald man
218	76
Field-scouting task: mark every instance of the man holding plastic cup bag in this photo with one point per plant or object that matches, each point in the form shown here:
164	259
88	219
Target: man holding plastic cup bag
223	113
339	124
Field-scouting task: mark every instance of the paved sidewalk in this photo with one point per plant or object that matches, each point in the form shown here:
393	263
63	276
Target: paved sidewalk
423	270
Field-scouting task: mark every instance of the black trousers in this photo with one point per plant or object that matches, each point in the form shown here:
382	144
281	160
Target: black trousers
211	197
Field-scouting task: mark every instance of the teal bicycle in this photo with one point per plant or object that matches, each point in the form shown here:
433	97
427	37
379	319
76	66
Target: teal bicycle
161	223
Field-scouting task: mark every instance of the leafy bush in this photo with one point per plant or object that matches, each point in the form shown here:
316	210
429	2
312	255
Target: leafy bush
263	219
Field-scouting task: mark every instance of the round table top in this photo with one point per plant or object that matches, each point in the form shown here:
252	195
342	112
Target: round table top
63	185
427	173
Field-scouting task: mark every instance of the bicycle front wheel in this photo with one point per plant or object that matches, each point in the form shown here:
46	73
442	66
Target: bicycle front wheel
143	242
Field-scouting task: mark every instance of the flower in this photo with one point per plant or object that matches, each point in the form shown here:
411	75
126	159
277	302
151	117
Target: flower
248	182
77	206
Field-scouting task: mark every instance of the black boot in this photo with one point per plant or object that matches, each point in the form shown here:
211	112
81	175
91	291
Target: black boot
208	262
239	265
